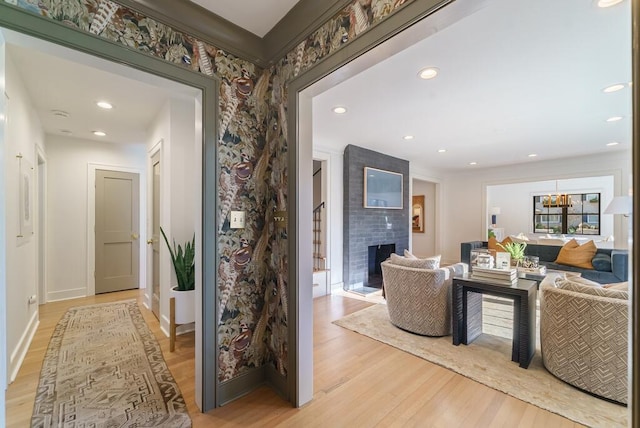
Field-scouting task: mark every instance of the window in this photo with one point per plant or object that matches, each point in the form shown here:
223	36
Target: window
575	214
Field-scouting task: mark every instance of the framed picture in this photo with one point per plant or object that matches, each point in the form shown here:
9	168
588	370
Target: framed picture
382	189
25	193
417	214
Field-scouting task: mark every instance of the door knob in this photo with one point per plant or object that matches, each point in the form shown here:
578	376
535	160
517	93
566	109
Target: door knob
134	236
150	241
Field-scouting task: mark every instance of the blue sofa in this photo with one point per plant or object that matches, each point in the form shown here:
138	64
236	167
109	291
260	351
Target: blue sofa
616	271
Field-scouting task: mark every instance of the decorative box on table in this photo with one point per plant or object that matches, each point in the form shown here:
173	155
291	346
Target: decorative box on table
480	258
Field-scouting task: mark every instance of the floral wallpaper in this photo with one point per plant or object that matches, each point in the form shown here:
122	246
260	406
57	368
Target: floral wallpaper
252	155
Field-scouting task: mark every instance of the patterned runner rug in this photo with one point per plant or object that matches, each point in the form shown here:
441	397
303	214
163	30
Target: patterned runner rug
488	360
104	368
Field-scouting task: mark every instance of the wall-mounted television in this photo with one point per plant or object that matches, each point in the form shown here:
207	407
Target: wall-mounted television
382	189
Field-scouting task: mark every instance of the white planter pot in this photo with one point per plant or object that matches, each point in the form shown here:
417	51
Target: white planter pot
185	305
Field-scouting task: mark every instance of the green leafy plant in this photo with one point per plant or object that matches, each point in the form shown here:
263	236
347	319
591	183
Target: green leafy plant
515	249
183	262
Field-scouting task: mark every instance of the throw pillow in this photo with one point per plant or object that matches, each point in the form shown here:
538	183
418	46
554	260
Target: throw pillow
414	263
602	262
408	255
492	244
576	255
436	259
623	286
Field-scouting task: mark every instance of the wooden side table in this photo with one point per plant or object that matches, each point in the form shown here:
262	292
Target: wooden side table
467	313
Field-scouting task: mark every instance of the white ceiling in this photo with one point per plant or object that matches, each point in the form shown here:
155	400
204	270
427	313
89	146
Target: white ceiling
517	77
60	79
259	17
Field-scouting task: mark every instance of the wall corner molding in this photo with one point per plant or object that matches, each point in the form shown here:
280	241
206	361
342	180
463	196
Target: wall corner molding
208	27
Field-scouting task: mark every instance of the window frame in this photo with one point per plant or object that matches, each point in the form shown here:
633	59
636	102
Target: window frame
557	214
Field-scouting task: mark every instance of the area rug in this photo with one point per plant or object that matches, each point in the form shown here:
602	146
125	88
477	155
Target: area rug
488	360
104	368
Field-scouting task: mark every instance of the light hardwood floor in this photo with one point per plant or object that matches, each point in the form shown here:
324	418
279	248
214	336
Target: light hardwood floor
359	382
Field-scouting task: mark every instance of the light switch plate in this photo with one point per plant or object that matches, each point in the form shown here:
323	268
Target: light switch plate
237	220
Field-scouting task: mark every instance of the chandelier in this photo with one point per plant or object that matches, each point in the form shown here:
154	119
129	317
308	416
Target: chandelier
559	200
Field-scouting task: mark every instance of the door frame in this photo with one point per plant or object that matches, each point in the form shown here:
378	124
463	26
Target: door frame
206	369
156	149
299	163
41	169
91	222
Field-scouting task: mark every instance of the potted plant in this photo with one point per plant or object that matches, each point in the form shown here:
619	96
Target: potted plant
515	250
183	260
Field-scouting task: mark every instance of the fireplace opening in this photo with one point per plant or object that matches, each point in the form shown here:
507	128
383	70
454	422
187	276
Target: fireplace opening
377	254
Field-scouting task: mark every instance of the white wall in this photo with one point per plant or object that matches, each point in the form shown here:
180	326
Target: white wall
3	235
23	132
174	131
516	201
464	208
69	171
424	244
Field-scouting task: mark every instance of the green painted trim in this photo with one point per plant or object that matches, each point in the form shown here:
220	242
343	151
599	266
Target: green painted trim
241	385
197	21
385	30
301	21
16	19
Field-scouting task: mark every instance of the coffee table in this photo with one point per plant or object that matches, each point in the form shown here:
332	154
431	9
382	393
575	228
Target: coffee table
467	313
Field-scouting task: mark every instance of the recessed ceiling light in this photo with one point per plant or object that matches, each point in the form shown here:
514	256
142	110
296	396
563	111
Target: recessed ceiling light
608	3
428	73
532	155
105	105
339	110
442	151
613	143
473	163
614	119
66	131
613	88
60	113
408	137
99	133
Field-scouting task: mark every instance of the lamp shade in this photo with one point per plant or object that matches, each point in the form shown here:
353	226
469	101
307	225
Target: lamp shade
494	210
619	205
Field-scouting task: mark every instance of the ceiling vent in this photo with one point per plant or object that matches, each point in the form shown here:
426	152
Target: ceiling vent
60	113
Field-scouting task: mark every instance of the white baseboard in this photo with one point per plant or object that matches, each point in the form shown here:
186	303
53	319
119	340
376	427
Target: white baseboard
54	296
181	329
18	354
337	286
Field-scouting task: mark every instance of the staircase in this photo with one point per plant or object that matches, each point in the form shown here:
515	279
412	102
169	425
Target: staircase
320	271
319	261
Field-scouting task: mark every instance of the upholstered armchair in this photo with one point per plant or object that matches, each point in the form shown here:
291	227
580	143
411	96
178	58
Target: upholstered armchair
418	299
584	336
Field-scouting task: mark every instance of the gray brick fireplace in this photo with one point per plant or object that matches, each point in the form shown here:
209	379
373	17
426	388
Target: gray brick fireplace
370	227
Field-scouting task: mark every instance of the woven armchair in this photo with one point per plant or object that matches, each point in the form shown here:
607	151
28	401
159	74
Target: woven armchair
584	337
419	300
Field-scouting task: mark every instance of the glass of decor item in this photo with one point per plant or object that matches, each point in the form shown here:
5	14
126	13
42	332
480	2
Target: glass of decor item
531	262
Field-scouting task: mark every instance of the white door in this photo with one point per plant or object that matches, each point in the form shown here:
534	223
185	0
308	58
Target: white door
117	231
